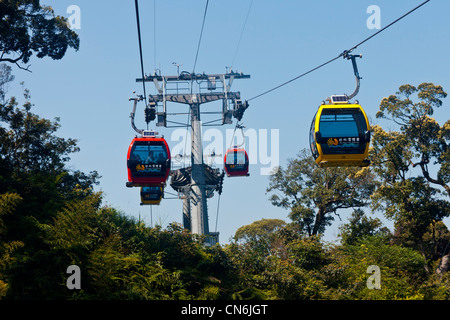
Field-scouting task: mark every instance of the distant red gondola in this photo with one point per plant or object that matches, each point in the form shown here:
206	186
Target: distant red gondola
148	161
236	162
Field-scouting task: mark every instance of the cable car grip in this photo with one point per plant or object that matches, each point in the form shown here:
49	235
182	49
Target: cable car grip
348	56
138	98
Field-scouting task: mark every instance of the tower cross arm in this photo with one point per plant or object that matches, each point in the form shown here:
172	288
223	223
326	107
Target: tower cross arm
190	76
194	98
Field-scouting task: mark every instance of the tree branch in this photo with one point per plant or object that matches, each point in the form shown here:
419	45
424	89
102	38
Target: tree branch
13	60
16	61
26	69
426	174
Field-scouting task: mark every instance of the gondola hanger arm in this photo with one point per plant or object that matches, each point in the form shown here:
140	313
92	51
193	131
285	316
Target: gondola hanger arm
353	57
239	126
133	112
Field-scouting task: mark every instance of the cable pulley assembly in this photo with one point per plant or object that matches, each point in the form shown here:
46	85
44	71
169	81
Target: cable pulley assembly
150	112
239	109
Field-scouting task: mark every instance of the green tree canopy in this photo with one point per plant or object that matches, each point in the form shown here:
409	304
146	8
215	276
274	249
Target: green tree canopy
34	185
360	226
263	228
420	134
412	200
312	194
27	27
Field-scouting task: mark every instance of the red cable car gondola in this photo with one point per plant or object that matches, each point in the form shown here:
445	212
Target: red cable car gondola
236	162
148	161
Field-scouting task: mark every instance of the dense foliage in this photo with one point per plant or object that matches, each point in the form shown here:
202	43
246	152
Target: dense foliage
28	27
51	217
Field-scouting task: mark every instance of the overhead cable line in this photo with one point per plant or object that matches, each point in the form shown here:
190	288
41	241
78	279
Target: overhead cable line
242	32
293	79
154	33
140	48
193	70
200	38
217	213
390	24
343	54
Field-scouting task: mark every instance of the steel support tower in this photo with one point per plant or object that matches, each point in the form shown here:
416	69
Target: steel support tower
173	89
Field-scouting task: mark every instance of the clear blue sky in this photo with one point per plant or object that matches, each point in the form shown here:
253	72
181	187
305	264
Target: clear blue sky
89	89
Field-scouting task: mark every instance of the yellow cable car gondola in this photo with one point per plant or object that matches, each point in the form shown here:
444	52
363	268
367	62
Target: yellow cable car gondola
339	134
151	195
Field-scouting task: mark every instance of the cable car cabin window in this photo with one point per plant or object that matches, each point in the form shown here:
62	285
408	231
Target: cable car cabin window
151	191
312	142
148	160
237	158
342	131
236	161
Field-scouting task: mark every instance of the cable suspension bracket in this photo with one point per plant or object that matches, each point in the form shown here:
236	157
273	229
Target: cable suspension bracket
348	56
150	113
238	126
133	112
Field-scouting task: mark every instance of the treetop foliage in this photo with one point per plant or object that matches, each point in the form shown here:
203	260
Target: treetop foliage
421	136
302	187
27	27
52	217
